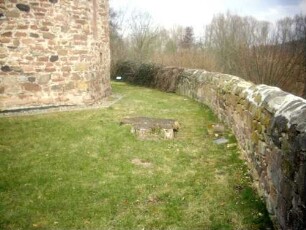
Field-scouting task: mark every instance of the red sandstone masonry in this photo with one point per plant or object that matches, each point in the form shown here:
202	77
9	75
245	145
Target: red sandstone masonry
53	52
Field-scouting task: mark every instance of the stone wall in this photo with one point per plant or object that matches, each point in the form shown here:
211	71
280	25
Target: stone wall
53	52
270	126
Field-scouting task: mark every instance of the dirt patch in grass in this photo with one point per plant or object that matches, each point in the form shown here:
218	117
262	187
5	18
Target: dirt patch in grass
142	163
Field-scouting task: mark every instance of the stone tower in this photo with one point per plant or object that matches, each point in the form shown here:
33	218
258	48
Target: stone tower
53	53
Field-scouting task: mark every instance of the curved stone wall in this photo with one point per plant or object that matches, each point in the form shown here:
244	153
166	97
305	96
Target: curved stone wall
53	52
270	126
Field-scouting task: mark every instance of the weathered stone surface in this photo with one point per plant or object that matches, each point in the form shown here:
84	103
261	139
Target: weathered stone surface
6	68
31	87
23	7
56	87
34	35
47	35
44	79
31	79
41	61
148	128
270	126
12	13
302	142
53	58
298	119
221	141
69	86
7	34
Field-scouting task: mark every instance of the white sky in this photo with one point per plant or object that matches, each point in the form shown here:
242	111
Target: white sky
198	13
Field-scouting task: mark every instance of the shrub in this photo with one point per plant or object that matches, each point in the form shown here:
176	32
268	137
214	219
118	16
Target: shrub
138	74
145	74
125	69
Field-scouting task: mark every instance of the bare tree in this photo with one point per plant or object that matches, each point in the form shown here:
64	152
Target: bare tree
143	34
258	51
188	39
300	28
281	61
117	43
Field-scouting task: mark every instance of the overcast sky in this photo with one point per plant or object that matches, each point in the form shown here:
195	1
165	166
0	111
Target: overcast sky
198	13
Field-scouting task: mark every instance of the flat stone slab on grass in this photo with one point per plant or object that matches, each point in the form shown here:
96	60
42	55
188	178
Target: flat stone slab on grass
152	128
221	141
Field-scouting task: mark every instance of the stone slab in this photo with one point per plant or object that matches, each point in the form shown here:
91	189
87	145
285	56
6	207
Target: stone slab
151	128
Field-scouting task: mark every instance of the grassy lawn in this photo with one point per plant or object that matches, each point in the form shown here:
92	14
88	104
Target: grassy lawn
75	170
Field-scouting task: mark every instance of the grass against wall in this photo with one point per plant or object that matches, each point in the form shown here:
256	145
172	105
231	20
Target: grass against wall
74	170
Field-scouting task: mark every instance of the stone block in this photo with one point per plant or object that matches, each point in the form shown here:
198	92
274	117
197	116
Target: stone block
44	79
2	16
31	79
69	86
152	128
4	40
23	7
66	68
53	58
31	87
20	34
80	37
27	41
81	67
82	85
47	35
62	52
56	88
22	27
13	13
6	68
50	69
302	141
16	42
34	35
42	59
3	50
7	34
262	146
28	69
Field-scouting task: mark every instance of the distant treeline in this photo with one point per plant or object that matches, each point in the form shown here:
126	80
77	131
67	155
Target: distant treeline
259	51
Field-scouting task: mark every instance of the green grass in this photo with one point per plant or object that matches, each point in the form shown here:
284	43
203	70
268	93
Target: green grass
74	170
